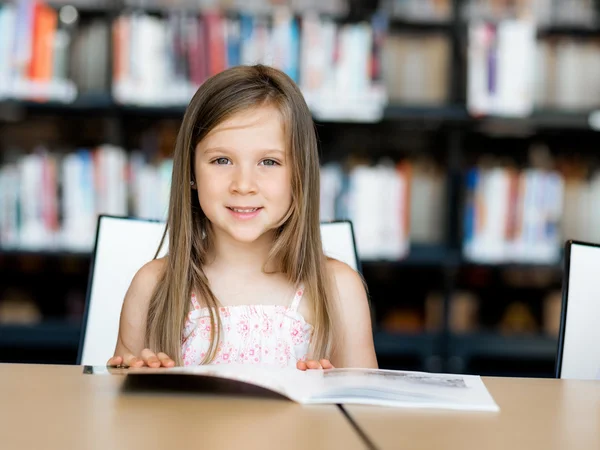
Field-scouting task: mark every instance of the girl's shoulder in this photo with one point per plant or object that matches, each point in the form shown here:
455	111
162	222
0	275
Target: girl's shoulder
349	287
152	270
341	273
146	278
137	300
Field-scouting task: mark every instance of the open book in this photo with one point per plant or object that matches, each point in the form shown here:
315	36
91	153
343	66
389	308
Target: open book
334	386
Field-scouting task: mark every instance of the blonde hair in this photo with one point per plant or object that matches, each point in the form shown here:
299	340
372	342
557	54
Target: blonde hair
297	248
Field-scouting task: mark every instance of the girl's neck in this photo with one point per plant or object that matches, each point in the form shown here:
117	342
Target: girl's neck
241	257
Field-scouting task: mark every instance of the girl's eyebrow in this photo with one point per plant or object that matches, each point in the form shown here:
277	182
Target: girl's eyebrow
215	150
225	149
275	150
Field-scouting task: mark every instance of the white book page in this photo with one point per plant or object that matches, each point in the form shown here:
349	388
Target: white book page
399	389
280	380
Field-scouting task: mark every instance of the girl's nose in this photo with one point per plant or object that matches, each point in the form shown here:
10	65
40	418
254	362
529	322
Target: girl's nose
243	181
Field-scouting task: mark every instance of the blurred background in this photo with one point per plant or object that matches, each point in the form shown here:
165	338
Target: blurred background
457	135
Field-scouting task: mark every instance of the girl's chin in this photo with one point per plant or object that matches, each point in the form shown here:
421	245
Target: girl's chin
247	235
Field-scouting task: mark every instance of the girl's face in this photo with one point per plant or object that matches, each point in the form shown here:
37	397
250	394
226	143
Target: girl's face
243	174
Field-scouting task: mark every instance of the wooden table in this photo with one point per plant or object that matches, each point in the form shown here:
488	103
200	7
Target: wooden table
58	407
534	414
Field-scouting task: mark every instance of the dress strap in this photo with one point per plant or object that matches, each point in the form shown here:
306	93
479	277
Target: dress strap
195	303
297	297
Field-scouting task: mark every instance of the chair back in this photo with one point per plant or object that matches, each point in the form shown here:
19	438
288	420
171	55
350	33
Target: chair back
578	355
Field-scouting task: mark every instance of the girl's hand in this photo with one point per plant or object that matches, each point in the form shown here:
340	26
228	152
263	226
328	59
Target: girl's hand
313	364
147	359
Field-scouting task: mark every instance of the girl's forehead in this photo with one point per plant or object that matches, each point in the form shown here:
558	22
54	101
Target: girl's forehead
253	128
256	117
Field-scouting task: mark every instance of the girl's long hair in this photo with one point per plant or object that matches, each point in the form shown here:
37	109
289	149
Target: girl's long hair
297	249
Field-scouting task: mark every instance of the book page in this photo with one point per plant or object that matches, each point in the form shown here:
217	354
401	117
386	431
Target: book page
275	379
399	389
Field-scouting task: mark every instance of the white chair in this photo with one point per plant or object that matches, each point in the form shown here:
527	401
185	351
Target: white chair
578	354
122	246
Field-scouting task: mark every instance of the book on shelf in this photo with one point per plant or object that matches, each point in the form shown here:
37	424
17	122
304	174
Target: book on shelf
501	68
560	82
389	388
35	45
493	10
513	216
390	205
577	13
416	68
581	216
434	11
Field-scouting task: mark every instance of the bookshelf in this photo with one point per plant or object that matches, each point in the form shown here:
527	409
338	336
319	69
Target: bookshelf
446	115
423	116
442	128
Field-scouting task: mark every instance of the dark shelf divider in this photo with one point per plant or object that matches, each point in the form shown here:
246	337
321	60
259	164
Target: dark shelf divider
490	344
57	334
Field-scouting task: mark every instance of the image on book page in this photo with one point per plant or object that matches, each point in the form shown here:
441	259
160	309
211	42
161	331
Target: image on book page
402	389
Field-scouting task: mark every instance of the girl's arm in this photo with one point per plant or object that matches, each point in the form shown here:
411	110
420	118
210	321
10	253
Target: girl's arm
354	345
130	350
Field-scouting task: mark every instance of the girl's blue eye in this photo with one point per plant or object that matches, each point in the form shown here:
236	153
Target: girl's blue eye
269	162
221	161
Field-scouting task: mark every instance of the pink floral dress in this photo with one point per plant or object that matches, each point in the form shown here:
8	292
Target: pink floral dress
251	334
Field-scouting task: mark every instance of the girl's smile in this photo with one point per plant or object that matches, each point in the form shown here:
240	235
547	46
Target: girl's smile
244	213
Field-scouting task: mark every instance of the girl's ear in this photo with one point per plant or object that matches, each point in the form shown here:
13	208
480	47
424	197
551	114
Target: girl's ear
193	184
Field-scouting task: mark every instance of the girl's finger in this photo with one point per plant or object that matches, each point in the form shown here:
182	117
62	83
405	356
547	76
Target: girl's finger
115	361
326	364
313	364
150	358
165	360
131	360
301	365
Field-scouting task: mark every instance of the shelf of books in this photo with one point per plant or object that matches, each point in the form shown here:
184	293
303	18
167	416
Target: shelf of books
372	82
150	60
510	216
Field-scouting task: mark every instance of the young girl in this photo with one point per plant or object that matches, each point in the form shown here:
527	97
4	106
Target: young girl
245	279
